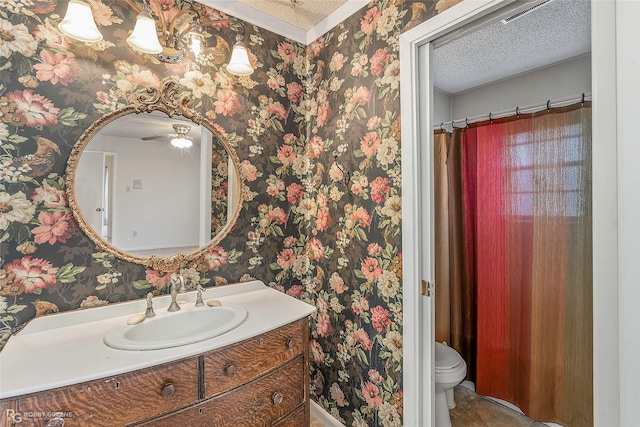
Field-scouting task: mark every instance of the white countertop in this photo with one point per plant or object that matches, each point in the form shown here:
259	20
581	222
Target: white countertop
68	348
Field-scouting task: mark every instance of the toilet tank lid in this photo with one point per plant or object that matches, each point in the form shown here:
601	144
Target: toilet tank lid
446	357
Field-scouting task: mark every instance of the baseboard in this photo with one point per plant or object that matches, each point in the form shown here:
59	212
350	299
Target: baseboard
319	414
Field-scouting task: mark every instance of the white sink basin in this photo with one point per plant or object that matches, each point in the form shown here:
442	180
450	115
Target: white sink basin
172	329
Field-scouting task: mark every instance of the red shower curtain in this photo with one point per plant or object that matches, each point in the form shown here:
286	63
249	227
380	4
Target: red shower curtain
527	238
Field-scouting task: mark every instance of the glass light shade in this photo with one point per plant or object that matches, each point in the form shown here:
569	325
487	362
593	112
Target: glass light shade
181	142
144	38
239	63
78	23
196	43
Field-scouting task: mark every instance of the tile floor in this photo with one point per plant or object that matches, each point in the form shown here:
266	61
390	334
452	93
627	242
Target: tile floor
473	410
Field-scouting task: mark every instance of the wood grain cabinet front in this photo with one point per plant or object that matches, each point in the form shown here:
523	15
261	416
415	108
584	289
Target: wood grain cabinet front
259	403
113	401
262	381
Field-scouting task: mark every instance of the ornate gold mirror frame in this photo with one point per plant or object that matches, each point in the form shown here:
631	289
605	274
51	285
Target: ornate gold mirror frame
168	98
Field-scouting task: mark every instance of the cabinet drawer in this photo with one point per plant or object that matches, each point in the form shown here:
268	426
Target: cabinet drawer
259	403
113	401
229	367
295	420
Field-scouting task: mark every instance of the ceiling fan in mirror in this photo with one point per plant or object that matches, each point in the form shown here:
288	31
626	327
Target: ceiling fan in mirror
178	139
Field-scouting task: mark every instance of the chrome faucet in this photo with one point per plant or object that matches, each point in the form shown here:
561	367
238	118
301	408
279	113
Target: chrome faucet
175	278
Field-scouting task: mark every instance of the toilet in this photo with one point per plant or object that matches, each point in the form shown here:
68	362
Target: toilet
450	370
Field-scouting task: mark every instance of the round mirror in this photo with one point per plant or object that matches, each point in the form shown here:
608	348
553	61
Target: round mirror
154	183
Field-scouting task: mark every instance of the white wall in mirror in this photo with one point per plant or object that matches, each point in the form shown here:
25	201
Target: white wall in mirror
158	200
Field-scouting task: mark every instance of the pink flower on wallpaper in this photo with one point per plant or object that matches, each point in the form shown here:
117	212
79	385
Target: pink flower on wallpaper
361	96
294	92
287	52
375	376
295	291
55	227
277	110
227	103
167	7
372	394
32	273
337	62
316	352
315	146
50	197
315	48
216	257
373	122
276	81
359	306
36	109
323	220
380	318
272	189
289	241
374	249
52	36
379	61
323	325
324	112
336	283
363	338
101	13
315	249
157	279
370	269
294	193
379	189
277	215
369	143
370	20
361	217
286	154
286	258
57	68
248	171
337	395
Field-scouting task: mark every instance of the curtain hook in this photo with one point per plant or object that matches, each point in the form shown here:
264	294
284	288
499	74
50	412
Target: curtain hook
518	112
582	99
452	127
466	121
490	118
441	128
548	105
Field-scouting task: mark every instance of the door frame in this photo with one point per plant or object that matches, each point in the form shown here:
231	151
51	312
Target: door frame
416	99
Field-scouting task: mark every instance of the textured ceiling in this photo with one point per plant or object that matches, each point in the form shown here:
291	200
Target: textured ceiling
303	14
556	31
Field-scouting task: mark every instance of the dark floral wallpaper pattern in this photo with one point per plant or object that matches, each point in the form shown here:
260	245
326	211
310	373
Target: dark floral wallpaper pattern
308	115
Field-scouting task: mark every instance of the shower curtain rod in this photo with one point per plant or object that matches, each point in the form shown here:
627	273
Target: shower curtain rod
561	102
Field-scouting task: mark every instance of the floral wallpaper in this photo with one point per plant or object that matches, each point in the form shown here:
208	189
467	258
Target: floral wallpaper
317	131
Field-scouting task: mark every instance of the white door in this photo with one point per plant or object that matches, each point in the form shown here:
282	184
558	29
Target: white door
90	188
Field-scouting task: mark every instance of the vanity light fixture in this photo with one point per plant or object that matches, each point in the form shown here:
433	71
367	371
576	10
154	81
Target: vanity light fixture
153	33
239	63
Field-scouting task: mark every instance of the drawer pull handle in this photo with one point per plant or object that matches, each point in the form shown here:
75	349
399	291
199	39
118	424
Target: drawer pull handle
291	343
230	370
168	390
277	398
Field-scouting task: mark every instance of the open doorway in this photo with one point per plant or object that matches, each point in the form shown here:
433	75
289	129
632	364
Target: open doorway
417	135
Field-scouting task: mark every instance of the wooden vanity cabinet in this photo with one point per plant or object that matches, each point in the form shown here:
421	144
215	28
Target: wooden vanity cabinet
262	381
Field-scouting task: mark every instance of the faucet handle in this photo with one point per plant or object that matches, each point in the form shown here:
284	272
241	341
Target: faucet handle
178	277
199	301
149	312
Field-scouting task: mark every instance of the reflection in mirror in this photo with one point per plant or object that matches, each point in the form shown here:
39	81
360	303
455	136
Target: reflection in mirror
140	197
